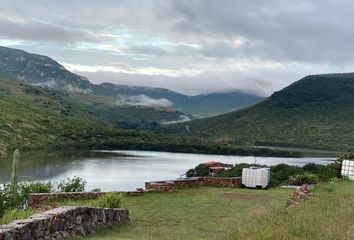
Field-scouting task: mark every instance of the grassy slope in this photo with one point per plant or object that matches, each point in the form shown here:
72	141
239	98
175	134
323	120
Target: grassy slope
316	111
200	213
32	117
326	215
205	213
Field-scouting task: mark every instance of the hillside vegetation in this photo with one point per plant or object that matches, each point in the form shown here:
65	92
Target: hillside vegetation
317	112
33	117
45	72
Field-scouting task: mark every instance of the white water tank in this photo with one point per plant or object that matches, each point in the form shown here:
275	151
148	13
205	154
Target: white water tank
255	177
348	169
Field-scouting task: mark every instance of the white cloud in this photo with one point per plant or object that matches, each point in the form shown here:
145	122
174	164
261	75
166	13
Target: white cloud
71	88
182	119
150	71
143	100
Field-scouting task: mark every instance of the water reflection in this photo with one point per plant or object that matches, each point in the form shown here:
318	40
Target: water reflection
124	170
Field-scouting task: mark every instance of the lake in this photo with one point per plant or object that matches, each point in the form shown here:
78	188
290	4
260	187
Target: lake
125	170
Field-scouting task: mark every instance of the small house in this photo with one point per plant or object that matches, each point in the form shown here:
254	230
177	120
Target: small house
215	167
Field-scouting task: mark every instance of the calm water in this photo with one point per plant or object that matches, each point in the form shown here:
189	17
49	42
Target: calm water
125	170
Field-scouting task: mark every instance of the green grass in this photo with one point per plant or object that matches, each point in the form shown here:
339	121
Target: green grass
326	215
201	213
224	213
16	214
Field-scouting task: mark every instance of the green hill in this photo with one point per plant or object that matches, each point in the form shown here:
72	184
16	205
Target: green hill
212	104
33	117
316	111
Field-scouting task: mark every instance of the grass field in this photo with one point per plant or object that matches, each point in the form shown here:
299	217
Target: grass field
224	213
328	214
201	213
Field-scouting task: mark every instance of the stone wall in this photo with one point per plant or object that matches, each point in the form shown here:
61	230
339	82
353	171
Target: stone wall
170	185
39	199
62	222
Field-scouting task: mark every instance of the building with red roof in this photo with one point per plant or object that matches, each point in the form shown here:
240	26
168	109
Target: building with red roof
215	167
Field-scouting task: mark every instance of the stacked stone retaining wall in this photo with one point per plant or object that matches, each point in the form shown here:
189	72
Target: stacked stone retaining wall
62	222
170	185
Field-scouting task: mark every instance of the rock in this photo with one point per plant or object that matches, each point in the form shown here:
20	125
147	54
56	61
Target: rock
62	222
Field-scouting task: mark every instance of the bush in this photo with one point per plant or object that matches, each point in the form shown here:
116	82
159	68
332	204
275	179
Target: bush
191	173
26	188
235	171
202	170
9	201
2	202
305	178
281	172
110	200
75	184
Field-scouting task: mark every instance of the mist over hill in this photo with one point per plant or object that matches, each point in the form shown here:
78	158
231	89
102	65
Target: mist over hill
45	72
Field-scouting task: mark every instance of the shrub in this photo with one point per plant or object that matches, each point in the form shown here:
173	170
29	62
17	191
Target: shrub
2	202
325	173
26	188
96	190
9	201
110	200
305	178
312	167
202	170
75	184
281	172
191	173
235	171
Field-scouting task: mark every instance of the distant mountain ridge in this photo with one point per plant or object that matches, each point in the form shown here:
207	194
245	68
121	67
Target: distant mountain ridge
37	70
43	71
316	111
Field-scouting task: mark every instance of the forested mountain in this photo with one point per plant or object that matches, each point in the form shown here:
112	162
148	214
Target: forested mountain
316	111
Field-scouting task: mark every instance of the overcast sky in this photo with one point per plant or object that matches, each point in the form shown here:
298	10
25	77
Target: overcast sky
191	46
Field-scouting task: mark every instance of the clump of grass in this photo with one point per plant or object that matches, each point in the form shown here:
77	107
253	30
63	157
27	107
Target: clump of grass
110	200
16	214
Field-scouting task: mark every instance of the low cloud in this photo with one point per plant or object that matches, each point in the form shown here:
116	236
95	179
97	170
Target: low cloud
71	88
143	100
49	84
182	119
